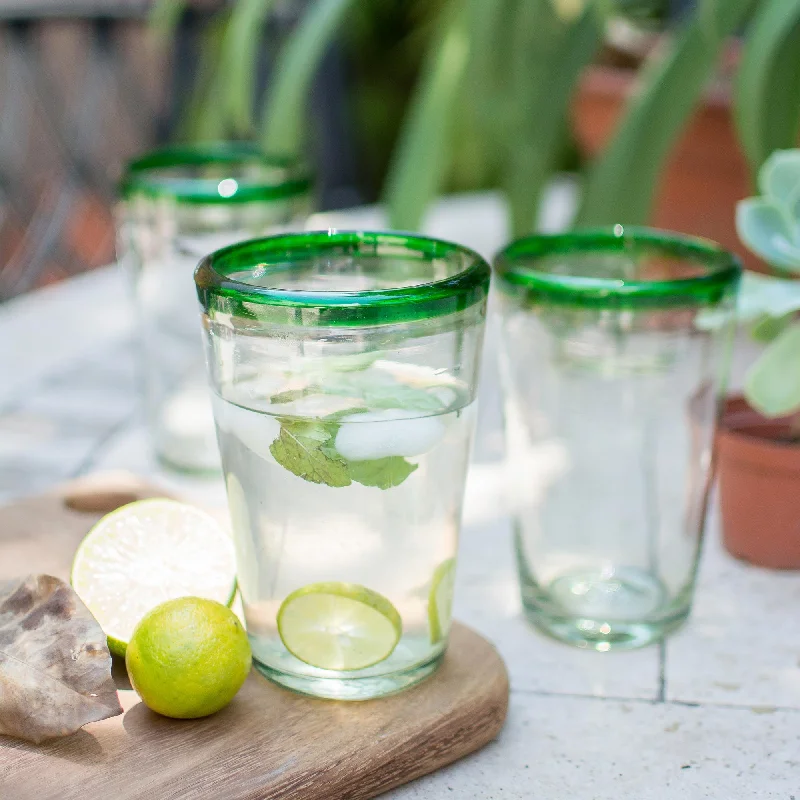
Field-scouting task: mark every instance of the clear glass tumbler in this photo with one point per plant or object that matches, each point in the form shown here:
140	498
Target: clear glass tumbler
178	206
344	369
614	356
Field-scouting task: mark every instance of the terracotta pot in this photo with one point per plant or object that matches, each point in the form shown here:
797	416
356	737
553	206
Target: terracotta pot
759	485
707	172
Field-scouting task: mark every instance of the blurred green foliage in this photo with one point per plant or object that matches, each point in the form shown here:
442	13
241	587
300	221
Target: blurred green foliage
464	94
385	43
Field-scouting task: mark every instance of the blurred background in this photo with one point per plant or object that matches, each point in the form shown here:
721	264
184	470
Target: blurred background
87	84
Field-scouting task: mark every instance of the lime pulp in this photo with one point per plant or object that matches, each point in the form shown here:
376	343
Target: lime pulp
146	553
339	626
440	600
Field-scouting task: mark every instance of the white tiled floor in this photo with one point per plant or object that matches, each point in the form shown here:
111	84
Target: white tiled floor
714	713
560	747
743	644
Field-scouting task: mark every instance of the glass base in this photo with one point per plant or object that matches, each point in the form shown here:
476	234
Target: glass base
596	611
367	688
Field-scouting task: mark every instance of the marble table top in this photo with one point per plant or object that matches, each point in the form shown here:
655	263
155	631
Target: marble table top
712	713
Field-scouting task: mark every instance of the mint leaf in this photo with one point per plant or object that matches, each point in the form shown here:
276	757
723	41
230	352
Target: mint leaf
309	429
307	448
290	395
402	396
382	390
337	416
383	473
299	448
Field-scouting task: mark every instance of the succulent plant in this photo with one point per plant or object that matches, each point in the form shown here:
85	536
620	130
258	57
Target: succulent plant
770	226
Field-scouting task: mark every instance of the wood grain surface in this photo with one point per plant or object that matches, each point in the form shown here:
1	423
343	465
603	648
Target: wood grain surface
269	743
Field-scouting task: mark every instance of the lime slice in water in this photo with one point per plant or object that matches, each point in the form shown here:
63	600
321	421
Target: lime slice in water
340	626
440	600
146	553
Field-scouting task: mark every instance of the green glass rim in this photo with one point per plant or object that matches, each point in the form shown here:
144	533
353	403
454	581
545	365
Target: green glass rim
723	269
141	175
217	290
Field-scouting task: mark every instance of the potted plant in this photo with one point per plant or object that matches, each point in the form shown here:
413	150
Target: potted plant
758	445
707	171
506	72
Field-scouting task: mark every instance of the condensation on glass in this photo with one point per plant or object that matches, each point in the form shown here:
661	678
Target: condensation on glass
178	206
615	351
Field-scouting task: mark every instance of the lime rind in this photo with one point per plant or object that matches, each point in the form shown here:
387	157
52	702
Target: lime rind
116	646
188	657
148	552
440	600
339	626
246	553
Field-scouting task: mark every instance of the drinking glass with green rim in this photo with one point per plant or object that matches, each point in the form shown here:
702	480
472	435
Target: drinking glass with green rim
615	348
344	370
179	204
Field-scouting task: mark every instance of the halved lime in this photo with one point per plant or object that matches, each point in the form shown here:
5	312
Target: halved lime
440	600
146	553
340	626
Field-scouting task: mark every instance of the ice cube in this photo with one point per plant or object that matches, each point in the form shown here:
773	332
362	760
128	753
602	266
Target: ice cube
389	432
445	394
255	431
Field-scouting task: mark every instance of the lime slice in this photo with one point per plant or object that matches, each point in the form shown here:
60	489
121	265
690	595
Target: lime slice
339	626
440	600
146	553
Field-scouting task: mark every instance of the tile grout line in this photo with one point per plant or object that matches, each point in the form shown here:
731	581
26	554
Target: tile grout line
752	707
756	708
101	442
585	696
662	672
18	399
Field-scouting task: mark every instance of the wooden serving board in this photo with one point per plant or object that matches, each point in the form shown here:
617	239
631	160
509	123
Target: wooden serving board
269	742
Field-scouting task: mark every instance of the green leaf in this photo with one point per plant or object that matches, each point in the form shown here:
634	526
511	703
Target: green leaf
223	96
489	25
772	386
238	59
337	416
485	86
421	156
621	184
285	112
766	230
383	473
760	297
165	16
312	429
306	447
298	448
764	294
547	60
402	396
767	328
380	390
779	180
290	395
202	121
767	88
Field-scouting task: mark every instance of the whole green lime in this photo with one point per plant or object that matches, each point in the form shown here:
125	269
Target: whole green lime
188	657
